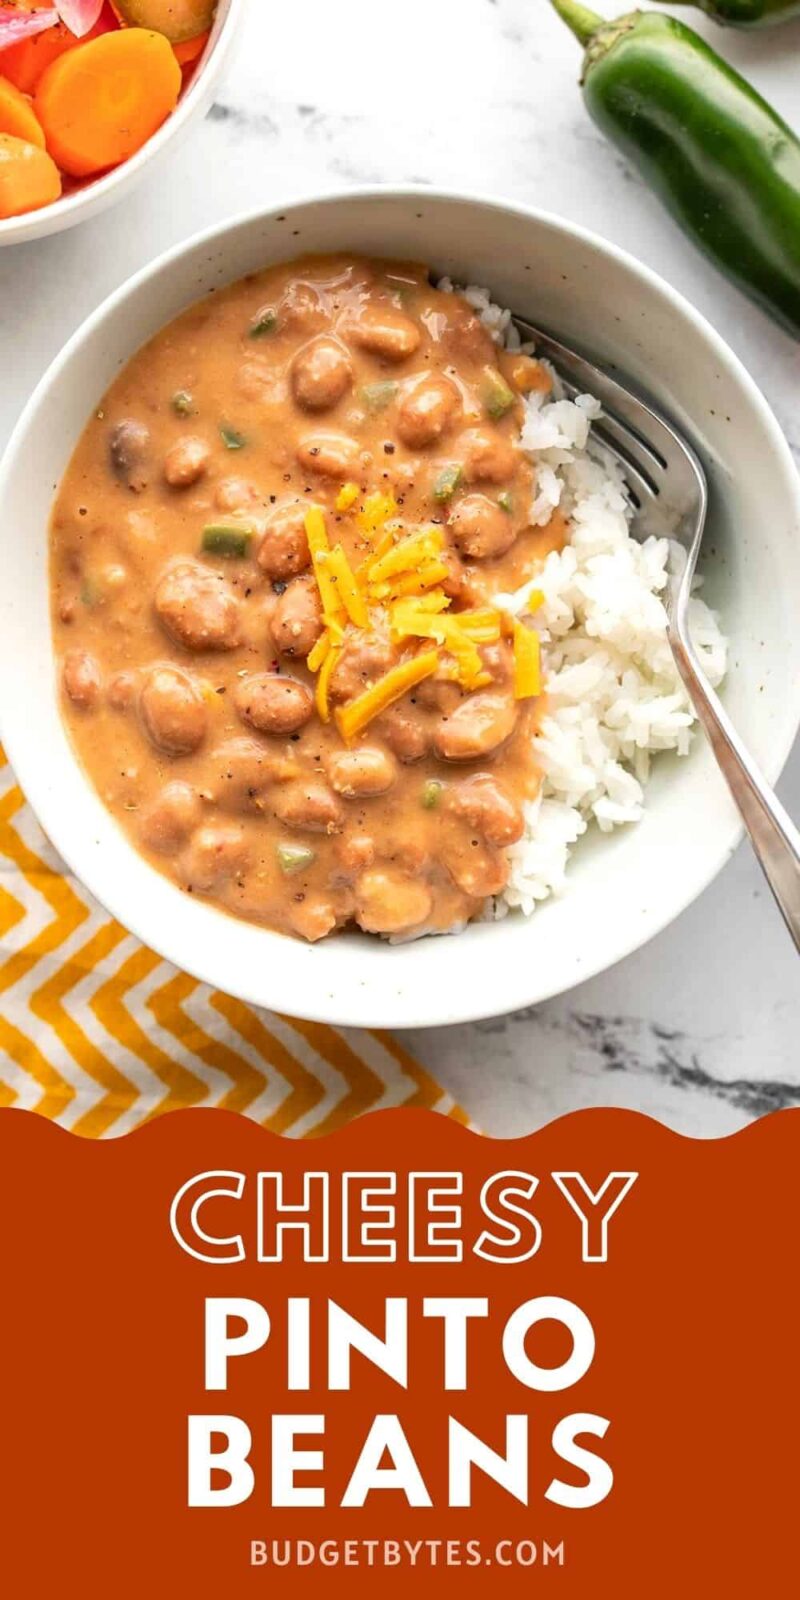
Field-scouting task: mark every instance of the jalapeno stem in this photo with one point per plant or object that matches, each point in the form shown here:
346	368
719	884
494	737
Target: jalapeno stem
583	22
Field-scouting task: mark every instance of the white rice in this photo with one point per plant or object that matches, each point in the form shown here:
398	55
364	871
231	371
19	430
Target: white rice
614	697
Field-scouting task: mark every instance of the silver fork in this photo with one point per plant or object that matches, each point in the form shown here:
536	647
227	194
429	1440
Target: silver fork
668	490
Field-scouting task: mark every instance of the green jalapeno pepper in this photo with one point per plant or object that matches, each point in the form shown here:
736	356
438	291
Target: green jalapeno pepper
745	13
719	157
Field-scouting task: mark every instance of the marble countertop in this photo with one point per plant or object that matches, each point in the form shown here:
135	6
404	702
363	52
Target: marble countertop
700	1028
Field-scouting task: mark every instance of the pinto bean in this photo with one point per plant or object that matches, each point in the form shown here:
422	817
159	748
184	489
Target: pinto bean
465	335
107	580
82	679
257	382
296	622
170	819
487	455
234	494
480	527
309	806
173	710
273	704
426	411
362	773
410	855
456	584
438	694
498	660
405	732
385	332
331	455
122	690
197	607
243	770
321	374
216	851
477	871
186	461
363	660
390	902
354	852
138	533
488	808
283	551
302	306
313	918
477	727
128	450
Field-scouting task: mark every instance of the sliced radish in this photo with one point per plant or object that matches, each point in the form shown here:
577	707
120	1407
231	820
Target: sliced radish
79	15
24	24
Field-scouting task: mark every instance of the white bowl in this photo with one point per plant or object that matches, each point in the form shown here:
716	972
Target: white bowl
623	888
95	195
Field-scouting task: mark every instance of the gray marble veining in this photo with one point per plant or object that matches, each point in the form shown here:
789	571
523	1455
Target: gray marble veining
700	1027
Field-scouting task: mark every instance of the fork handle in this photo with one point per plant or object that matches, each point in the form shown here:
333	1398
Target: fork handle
774	837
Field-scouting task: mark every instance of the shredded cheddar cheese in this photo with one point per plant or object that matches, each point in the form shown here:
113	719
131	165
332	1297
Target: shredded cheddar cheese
320	650
354	717
400	583
407	555
482	626
324	676
347	496
527	662
347	589
376	510
382	546
423	605
316	531
429	575
413	619
317	535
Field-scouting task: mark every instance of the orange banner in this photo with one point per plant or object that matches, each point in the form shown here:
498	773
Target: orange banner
405	1356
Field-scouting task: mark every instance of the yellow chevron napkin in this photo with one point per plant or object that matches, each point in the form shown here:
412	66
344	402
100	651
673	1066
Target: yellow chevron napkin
99	1034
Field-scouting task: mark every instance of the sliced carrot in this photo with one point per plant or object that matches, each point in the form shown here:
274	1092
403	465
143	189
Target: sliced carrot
25	62
17	115
29	178
103	100
189	51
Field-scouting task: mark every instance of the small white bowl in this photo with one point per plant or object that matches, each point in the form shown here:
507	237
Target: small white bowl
623	888
98	193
